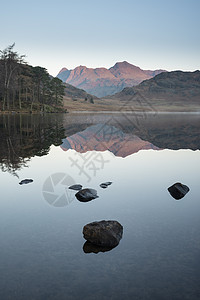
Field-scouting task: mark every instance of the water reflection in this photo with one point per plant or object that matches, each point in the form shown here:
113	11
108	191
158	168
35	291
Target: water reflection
166	131
91	248
102	137
24	136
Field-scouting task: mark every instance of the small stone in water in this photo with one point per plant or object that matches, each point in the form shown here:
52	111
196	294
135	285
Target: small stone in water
86	195
178	190
103	233
25	181
76	187
104	185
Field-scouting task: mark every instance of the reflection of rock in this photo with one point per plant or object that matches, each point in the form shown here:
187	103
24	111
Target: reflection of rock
178	190
102	137
86	195
25	181
103	233
104	185
91	248
76	187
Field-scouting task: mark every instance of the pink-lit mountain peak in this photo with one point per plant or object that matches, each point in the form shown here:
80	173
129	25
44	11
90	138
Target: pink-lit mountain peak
101	81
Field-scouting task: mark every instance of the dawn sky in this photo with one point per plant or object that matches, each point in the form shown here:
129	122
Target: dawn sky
150	34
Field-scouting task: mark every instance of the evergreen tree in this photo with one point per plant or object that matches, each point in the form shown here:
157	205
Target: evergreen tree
22	85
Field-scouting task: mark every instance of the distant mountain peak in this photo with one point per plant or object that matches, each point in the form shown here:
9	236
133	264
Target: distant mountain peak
63	70
122	63
102	82
81	67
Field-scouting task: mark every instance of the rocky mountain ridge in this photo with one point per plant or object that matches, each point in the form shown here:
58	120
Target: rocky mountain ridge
102	82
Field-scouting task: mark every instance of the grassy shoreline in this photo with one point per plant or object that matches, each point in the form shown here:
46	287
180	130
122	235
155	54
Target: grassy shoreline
106	111
106	106
117	105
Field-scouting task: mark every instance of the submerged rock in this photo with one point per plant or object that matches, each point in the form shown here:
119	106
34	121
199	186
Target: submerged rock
178	190
25	181
76	187
104	185
91	248
103	233
86	195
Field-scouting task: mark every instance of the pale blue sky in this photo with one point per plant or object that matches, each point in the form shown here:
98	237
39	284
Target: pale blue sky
148	33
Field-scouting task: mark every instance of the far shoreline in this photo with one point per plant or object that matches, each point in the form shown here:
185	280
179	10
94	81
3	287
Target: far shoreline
133	112
137	111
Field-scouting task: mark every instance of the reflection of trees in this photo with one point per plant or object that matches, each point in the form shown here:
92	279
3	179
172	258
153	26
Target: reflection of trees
25	136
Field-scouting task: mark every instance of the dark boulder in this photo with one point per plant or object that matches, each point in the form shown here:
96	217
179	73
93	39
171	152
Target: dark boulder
25	181
86	195
76	187
91	248
104	185
178	190
103	233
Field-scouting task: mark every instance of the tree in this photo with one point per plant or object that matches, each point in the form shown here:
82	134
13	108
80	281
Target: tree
92	100
57	90
41	79
10	62
21	85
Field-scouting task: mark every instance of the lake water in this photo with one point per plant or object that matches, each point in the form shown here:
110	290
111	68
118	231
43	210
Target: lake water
42	253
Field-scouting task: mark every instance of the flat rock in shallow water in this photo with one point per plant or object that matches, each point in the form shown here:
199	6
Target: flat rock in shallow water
76	187
25	181
104	185
86	195
178	190
103	233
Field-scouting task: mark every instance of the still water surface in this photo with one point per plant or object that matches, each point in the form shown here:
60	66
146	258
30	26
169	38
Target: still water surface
41	249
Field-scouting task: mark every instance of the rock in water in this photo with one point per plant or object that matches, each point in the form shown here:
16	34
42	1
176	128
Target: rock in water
104	185
86	195
103	233
25	181
76	187
178	190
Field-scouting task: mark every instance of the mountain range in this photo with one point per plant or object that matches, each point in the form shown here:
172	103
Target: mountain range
102	82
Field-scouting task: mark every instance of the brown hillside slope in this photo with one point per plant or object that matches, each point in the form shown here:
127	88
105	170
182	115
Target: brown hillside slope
167	91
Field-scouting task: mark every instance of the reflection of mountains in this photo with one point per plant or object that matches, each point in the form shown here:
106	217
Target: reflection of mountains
166	131
102	137
24	136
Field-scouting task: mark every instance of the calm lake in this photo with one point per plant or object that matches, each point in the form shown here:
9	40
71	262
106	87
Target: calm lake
42	250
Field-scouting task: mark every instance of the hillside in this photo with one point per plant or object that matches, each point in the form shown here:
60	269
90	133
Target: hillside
102	82
76	93
167	91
